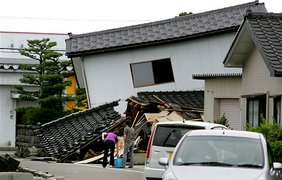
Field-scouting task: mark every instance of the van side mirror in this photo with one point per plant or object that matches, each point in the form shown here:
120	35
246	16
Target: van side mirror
163	161
277	166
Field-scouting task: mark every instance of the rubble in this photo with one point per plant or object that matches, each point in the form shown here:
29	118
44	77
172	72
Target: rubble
77	137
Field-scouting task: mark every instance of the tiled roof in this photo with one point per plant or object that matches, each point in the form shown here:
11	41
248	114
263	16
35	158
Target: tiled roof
266	30
175	29
4	66
62	137
223	75
184	99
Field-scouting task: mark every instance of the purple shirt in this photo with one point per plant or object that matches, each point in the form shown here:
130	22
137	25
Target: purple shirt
112	137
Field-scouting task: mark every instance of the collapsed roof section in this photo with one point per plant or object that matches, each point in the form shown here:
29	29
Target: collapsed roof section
189	104
61	138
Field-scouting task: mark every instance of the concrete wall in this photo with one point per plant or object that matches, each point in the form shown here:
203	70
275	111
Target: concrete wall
108	75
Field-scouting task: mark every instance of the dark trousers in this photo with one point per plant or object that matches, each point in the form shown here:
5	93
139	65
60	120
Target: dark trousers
108	146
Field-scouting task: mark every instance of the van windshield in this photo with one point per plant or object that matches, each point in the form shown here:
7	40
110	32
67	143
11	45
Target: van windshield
169	135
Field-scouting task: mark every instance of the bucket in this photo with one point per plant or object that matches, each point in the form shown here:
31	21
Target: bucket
118	162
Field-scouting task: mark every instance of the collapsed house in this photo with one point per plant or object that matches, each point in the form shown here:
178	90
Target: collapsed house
78	136
148	108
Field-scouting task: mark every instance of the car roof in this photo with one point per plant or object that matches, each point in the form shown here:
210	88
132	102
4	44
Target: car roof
191	123
230	133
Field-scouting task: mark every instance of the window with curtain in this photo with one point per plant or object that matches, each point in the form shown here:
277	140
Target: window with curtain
256	107
277	110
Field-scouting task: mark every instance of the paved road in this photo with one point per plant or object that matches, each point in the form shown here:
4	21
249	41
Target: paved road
84	171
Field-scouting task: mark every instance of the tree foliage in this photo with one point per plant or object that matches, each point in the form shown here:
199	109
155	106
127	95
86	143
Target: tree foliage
80	98
48	73
185	14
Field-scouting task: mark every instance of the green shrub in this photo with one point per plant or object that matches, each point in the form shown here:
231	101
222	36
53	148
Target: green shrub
273	134
276	147
223	120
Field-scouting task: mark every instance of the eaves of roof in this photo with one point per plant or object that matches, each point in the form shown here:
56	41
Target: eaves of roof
265	30
171	30
211	76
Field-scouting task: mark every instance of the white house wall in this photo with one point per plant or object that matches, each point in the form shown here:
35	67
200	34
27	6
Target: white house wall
10	78
18	40
111	71
217	89
7	119
256	79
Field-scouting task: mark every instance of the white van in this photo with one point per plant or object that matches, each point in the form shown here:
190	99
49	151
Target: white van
164	137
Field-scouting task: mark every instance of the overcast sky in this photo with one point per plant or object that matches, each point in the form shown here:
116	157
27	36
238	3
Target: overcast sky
63	16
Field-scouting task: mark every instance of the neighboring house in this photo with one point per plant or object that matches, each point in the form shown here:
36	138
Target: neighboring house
222	92
157	56
257	49
10	73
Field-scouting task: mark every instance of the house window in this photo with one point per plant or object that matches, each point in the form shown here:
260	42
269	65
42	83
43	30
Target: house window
152	73
277	110
255	109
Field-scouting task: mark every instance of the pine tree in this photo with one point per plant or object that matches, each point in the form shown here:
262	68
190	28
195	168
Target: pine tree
48	73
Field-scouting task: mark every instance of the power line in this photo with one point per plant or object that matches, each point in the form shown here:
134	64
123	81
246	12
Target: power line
72	19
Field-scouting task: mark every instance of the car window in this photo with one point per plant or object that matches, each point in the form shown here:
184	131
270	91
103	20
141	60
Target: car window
169	136
233	151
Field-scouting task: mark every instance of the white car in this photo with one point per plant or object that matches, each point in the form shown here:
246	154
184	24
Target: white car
164	137
222	155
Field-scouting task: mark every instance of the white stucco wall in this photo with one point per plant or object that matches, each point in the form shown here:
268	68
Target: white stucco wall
7	118
219	88
256	79
108	75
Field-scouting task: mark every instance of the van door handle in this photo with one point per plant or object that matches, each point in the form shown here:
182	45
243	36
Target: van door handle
157	150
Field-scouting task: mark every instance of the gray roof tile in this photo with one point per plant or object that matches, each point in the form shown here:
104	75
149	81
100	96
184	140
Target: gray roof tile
184	99
221	75
161	31
266	29
63	136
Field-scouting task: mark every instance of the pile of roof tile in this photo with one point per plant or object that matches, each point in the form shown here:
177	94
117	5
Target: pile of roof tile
184	99
62	137
189	104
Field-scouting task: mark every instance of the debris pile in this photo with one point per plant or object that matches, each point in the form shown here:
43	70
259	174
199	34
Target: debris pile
78	136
